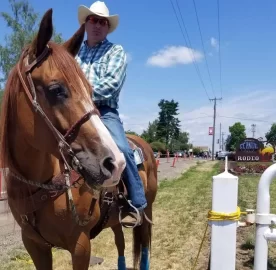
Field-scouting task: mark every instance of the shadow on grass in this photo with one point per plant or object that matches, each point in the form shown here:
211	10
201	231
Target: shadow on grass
271	264
247	246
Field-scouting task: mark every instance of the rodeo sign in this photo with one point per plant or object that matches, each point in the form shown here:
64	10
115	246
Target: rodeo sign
253	150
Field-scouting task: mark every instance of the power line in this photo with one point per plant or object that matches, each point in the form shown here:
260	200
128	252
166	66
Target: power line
219	48
208	116
203	47
189	50
245	119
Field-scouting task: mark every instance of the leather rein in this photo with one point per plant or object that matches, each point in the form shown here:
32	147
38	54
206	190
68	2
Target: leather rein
63	141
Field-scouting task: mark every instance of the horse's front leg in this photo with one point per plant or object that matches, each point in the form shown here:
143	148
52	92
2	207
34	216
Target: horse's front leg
80	252
41	256
120	244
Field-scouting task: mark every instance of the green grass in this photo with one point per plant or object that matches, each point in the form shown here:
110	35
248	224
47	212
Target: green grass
247	199
180	212
180	218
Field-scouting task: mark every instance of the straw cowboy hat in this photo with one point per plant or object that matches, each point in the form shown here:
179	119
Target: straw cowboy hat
98	8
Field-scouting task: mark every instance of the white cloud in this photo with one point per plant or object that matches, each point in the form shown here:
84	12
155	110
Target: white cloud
123	116
173	55
140	121
214	43
256	106
128	57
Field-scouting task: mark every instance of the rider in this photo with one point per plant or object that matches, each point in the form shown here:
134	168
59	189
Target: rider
104	65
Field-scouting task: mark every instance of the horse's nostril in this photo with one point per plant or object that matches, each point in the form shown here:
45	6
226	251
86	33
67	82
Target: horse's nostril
107	164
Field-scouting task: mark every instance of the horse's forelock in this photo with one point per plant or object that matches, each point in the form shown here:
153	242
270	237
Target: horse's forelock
71	71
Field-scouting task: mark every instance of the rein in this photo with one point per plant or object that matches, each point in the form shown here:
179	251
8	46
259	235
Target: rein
63	141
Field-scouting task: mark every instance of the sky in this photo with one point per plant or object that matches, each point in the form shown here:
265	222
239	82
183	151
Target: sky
162	64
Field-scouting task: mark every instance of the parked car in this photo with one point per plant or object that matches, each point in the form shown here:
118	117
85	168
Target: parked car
179	153
222	155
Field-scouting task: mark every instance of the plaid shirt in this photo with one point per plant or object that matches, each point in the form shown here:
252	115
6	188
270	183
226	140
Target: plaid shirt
105	68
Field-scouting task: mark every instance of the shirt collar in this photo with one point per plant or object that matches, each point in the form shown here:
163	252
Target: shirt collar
97	45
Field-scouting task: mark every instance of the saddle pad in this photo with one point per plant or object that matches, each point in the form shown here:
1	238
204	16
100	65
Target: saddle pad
139	154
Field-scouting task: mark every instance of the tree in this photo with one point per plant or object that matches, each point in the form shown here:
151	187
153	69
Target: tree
181	143
197	151
23	23
168	127
131	132
237	134
149	135
158	146
271	134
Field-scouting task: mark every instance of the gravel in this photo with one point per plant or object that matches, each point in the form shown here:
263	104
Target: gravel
10	236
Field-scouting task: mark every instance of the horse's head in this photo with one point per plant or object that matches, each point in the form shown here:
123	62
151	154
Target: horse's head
55	112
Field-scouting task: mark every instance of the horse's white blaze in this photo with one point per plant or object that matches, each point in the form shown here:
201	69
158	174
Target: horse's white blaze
107	141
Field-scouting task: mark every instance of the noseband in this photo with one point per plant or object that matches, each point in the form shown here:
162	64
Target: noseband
64	141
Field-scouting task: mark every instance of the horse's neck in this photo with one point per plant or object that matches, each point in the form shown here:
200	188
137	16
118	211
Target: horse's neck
31	163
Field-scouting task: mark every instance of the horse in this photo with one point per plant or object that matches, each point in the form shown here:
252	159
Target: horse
62	168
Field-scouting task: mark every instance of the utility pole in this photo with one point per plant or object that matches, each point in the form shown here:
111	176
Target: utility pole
222	145
220	136
214	124
253	130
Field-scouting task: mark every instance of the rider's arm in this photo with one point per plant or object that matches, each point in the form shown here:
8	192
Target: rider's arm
107	85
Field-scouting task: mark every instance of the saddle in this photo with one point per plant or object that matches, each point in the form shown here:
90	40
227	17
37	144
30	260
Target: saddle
116	196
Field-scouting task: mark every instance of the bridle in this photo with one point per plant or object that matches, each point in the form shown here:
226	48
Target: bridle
63	141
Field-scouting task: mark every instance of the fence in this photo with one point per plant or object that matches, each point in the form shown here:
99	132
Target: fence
226	220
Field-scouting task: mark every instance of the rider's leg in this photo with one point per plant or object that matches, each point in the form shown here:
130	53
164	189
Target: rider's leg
111	120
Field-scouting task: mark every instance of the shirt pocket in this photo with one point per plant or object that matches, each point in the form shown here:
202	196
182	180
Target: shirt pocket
100	67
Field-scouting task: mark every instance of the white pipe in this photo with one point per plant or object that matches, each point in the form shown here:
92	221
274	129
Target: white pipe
270	235
263	207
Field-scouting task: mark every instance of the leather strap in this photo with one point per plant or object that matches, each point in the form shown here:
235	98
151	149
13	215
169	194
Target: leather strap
38	199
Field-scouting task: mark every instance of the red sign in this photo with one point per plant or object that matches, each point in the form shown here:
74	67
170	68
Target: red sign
210	130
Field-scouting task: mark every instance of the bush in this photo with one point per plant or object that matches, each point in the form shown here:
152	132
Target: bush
196	151
158	146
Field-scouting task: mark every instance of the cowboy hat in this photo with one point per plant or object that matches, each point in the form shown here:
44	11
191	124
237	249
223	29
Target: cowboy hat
98	8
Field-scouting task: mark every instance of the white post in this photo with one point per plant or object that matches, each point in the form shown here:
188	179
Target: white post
263	233
223	242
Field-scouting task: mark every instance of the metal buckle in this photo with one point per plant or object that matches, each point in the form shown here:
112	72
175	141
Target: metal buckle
107	199
24	219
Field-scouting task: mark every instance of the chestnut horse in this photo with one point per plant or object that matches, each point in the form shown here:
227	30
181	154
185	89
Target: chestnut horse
61	158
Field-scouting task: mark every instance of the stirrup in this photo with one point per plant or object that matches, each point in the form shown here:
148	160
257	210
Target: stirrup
147	219
138	221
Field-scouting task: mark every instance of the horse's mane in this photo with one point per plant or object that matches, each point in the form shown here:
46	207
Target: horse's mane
60	59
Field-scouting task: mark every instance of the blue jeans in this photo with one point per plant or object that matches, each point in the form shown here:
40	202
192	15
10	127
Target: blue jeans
110	118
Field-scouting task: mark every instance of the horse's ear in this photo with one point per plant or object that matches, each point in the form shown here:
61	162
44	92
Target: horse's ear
44	34
73	44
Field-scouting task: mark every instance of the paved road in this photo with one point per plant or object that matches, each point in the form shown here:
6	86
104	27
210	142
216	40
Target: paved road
166	171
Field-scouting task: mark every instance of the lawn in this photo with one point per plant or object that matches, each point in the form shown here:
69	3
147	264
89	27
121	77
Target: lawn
180	212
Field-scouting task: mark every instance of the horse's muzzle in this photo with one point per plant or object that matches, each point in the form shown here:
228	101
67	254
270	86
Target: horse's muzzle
94	170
